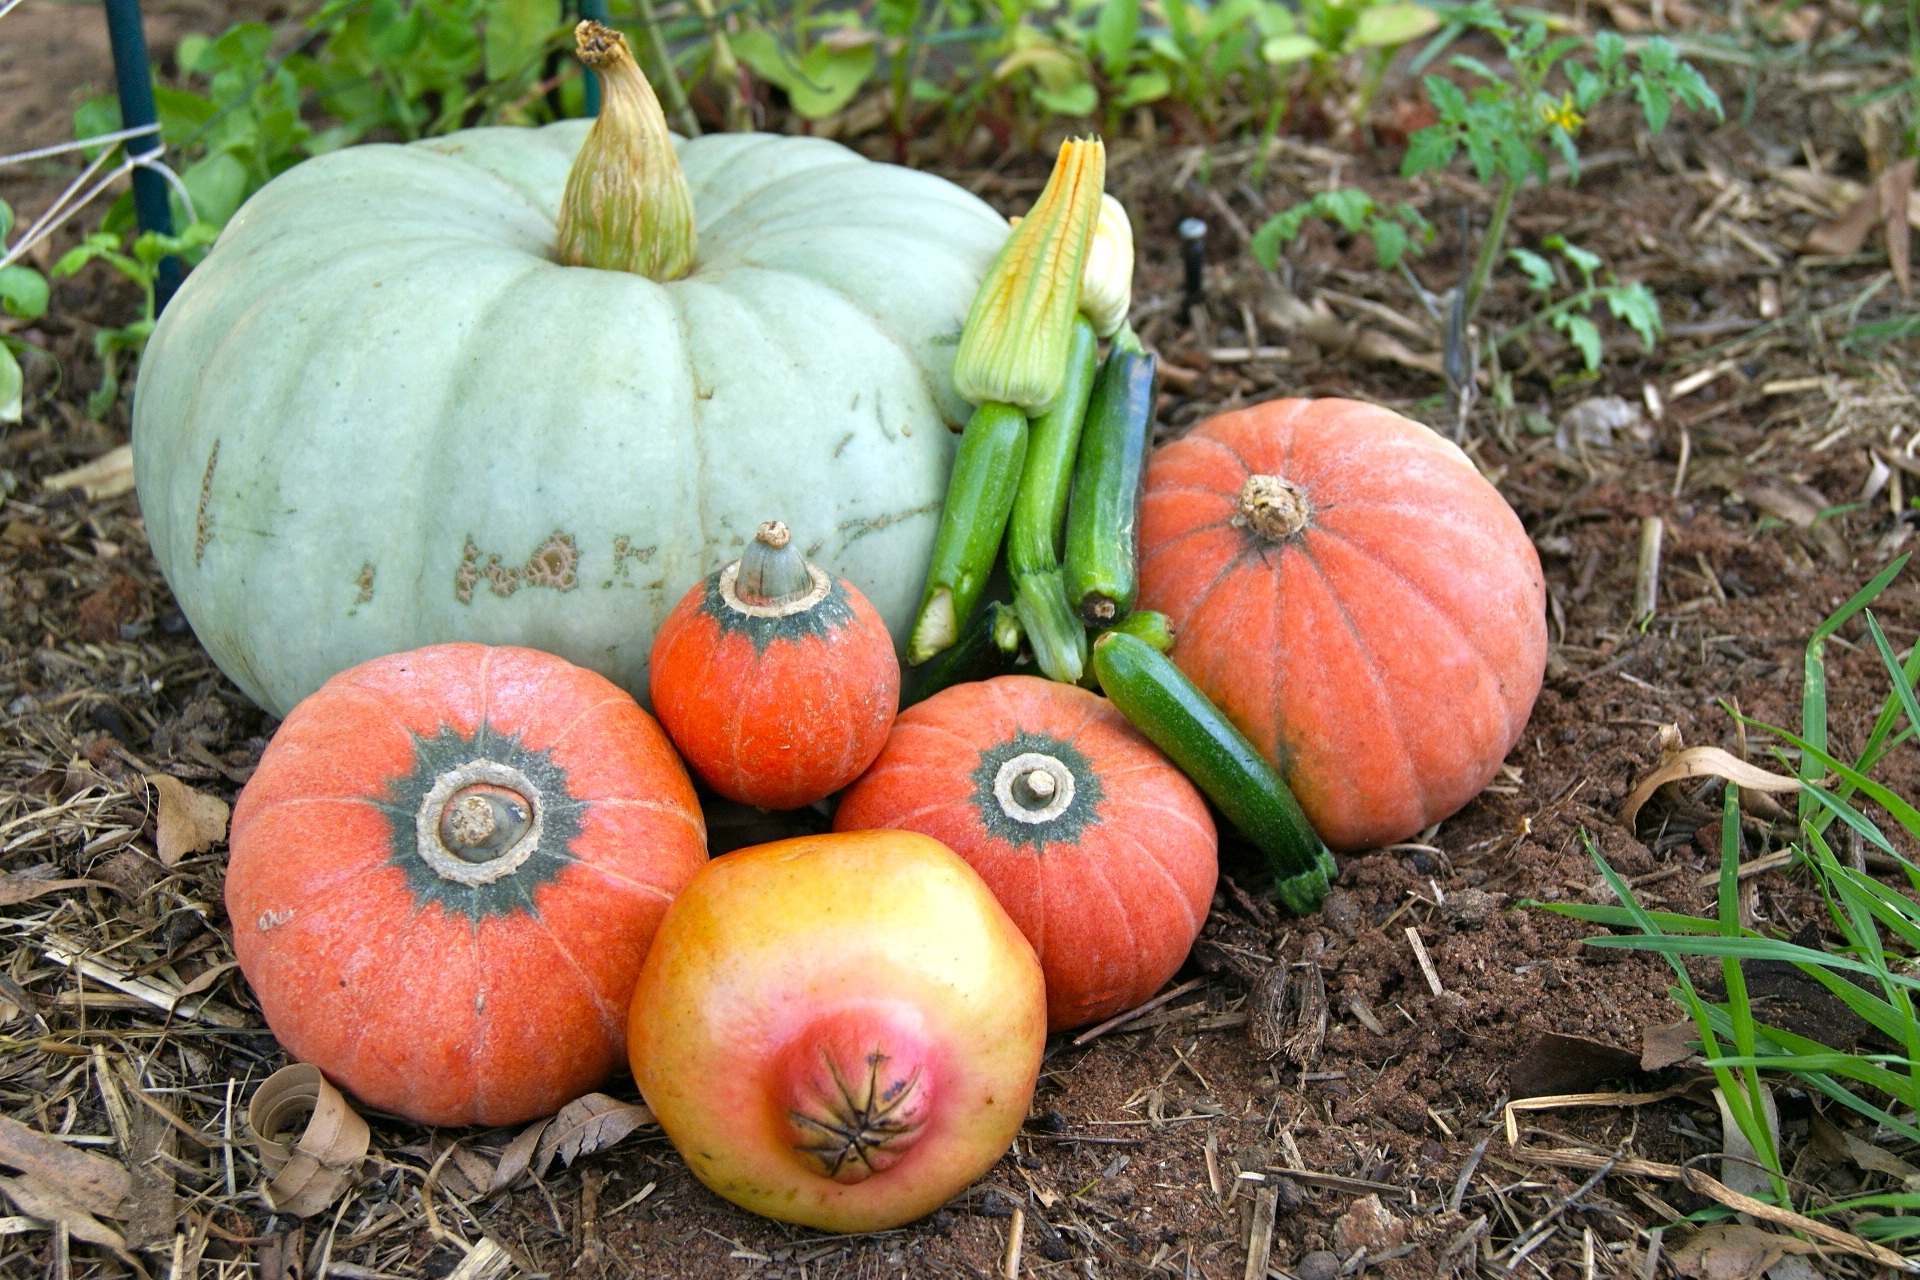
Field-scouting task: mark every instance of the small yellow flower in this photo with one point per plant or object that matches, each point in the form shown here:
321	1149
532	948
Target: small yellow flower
1562	114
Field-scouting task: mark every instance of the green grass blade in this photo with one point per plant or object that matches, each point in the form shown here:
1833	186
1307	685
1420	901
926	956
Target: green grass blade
1813	694
1622	918
1881	1200
1746	948
1750	1113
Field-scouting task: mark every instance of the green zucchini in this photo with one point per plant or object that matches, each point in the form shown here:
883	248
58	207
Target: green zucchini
1166	706
1147	625
1102	538
986	474
981	654
1033	535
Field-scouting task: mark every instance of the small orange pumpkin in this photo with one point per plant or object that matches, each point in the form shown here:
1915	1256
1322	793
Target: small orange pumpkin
445	874
777	682
1356	597
1097	846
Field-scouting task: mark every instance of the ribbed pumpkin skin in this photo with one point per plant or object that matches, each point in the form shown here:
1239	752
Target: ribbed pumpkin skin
380	415
447	1003
777	712
1112	892
1387	658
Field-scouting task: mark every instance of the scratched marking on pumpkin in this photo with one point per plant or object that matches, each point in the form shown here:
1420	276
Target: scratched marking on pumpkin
202	525
554	563
365	582
864	525
623	551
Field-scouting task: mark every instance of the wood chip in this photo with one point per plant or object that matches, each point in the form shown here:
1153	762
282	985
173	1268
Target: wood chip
107	476
1119	1020
1266	1203
1426	961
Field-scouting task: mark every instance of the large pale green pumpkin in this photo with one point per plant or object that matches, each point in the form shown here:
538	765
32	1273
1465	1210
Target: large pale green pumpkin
380	415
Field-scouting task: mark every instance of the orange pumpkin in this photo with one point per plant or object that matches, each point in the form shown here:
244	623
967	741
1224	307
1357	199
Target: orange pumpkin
1356	597
445	874
776	681
1101	851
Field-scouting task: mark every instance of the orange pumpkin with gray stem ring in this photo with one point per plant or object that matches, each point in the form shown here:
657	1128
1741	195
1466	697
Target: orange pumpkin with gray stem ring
1098	847
777	681
445	873
1346	586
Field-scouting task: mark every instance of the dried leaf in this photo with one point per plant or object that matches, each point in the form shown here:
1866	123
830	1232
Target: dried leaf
311	1174
1662	1047
1838	194
1702	762
1740	1166
91	1182
202	981
107	476
518	1155
1843	236
1560	1064
586	1125
1895	188
1865	1154
38	1199
474	1167
1731	1251
190	821
18	889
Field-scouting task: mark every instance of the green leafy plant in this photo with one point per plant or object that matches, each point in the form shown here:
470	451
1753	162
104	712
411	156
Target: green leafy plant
1634	303
139	263
1395	232
1511	125
23	295
1870	965
432	66
1325	34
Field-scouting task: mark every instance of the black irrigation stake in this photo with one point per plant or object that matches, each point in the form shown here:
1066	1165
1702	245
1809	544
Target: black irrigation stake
134	79
1193	254
594	11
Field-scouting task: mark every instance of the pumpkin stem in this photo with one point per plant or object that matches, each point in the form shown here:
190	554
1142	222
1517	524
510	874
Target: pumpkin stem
857	1086
772	571
481	822
1273	507
771	579
626	205
1034	787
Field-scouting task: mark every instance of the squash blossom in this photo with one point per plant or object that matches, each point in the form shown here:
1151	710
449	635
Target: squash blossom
1106	286
1013	349
626	206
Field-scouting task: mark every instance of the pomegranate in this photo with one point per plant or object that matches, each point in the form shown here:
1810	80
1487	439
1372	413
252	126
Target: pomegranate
841	1031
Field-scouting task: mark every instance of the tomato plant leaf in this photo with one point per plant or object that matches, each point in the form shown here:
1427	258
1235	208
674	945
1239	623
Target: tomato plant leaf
1583	333
1636	305
1538	270
1429	149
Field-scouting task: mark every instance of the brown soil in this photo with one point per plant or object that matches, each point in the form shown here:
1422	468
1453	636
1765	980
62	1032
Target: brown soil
1316	1046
